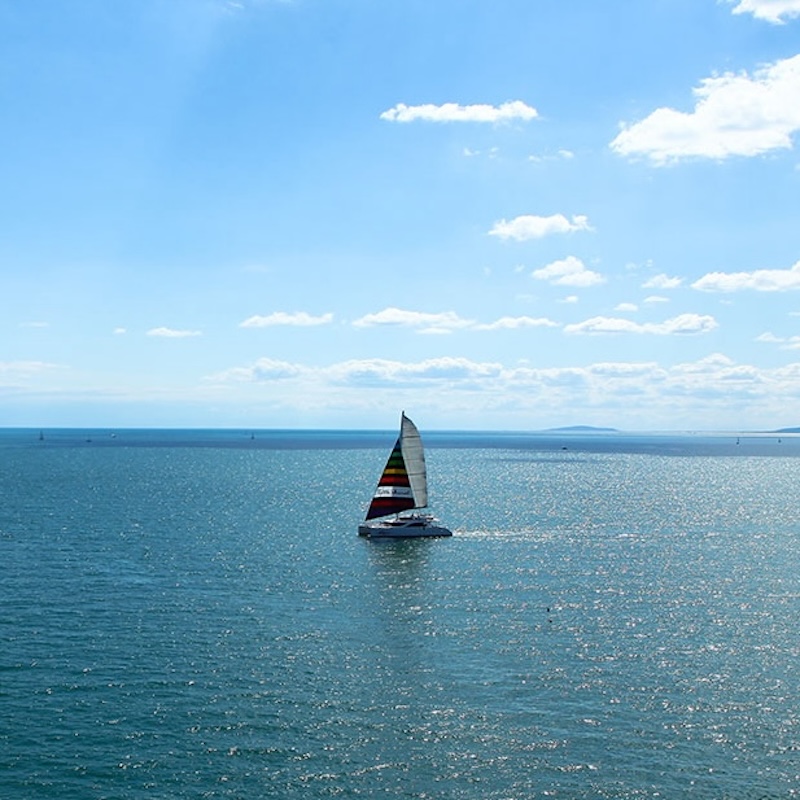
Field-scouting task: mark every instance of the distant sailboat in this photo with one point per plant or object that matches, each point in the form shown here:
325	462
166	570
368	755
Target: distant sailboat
403	486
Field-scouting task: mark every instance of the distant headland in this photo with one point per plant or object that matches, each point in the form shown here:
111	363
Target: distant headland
582	429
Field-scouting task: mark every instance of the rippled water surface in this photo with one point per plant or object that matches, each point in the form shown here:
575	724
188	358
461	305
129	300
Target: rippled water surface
193	616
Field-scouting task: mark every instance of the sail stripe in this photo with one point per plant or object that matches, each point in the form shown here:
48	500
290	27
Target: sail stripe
393	493
402	485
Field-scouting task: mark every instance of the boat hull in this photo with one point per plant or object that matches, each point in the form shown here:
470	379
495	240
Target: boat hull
415	527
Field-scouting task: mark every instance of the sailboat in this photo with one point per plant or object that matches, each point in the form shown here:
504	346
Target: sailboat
403	487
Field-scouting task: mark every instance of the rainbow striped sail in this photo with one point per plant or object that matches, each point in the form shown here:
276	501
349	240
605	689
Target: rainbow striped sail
403	484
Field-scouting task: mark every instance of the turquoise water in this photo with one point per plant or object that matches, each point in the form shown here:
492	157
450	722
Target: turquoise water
192	615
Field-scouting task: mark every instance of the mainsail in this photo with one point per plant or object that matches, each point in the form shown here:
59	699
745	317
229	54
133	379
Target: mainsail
403	484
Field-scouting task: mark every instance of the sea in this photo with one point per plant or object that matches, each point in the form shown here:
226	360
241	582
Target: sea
191	614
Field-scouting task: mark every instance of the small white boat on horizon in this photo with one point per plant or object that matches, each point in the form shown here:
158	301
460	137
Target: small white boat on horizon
403	487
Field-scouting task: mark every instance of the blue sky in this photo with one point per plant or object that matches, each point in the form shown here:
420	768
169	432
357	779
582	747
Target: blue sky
316	213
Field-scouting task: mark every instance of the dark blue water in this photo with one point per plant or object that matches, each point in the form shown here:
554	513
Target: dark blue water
192	615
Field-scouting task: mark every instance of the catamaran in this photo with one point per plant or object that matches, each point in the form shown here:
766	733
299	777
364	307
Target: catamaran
403	487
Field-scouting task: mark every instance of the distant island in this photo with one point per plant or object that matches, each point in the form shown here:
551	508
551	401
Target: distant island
788	430
583	429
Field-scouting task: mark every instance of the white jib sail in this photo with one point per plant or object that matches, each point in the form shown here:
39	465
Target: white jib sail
414	457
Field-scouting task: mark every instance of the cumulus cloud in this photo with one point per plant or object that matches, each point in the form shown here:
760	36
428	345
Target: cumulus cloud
621	369
761	280
682	324
443	322
171	333
735	115
569	271
627	307
453	112
446	369
718	376
264	369
770	10
790	343
662	282
515	323
530	226
447	321
298	319
565	155
711	392
491	153
463	373
360	372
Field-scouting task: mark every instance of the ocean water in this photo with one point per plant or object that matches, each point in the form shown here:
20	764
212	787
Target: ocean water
192	615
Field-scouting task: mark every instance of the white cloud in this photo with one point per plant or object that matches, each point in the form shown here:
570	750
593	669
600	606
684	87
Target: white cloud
627	307
364	371
715	361
565	155
621	369
171	333
735	115
718	375
298	319
514	323
654	298
792	343
453	112
569	271
682	324
446	369
712	393
761	280
530	226
447	321
662	282
37	324
120	331
769	10
265	369
444	322
492	152
359	372
271	369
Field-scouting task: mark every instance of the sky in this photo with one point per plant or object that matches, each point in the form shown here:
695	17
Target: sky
506	215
